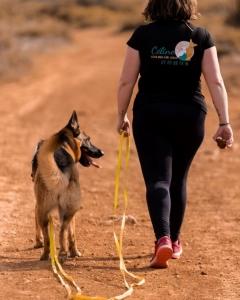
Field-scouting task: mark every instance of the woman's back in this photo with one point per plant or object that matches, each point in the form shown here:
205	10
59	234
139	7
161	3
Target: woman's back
171	54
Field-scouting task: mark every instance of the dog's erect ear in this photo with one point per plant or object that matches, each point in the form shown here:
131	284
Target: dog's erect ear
73	124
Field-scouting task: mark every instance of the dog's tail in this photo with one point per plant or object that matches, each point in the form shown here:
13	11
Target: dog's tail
51	175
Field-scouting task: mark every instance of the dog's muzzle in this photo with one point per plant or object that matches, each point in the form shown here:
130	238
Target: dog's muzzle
88	153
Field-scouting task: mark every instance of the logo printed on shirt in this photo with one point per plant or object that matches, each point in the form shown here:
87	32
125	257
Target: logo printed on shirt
185	50
181	56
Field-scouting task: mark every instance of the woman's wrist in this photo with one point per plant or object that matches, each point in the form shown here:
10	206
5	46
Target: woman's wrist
222	124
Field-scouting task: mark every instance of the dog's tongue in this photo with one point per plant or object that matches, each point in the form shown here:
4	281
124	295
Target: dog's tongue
94	164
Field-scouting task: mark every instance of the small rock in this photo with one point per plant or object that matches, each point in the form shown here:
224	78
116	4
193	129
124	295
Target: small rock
212	154
130	220
177	275
204	273
130	243
26	281
109	222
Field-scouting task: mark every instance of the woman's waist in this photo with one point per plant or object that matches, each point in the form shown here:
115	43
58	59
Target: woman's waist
152	101
172	94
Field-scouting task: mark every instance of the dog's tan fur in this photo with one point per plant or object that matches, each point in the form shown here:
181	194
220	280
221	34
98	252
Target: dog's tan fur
55	189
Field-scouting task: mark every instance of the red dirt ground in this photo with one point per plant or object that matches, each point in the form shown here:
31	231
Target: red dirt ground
84	77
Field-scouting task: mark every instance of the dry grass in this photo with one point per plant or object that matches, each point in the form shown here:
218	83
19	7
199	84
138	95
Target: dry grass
23	31
216	16
32	25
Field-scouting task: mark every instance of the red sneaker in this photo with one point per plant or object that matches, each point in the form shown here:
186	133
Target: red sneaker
163	252
177	249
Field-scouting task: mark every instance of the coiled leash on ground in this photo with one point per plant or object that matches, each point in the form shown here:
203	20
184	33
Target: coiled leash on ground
67	281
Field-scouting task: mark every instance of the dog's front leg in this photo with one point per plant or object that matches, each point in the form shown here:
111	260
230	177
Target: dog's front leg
72	239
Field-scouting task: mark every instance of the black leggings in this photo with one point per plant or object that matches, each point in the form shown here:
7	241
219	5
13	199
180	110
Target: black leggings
167	137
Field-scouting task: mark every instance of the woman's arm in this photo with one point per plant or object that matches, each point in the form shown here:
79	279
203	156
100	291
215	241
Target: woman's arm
213	77
127	82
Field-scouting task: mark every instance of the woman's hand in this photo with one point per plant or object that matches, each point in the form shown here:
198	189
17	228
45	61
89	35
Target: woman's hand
123	124
225	134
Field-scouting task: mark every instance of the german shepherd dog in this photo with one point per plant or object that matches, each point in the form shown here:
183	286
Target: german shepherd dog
56	184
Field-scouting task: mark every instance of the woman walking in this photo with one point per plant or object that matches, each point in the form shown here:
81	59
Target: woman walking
170	54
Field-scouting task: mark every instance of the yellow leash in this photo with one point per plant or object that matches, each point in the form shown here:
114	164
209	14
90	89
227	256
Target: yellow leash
119	241
67	281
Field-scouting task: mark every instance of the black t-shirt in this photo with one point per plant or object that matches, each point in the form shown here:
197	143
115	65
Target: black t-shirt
171	54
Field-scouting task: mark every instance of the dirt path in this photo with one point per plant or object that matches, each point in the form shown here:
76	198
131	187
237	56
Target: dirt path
84	77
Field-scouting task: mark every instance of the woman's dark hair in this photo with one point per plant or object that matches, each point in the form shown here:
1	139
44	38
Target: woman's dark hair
171	10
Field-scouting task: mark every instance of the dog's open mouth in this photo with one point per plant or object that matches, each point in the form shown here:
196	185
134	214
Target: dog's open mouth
88	154
86	161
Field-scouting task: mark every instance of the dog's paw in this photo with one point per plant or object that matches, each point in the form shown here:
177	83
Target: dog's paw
75	253
38	245
45	256
62	256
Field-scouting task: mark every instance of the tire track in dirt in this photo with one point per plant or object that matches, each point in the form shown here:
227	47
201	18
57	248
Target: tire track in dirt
83	76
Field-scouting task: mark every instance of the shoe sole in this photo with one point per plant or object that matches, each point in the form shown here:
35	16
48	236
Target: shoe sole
177	255
160	260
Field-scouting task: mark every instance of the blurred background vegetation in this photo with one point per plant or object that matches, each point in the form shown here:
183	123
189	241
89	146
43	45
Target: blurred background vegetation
30	26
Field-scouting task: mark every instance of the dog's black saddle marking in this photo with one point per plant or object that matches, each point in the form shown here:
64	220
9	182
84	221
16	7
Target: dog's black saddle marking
62	159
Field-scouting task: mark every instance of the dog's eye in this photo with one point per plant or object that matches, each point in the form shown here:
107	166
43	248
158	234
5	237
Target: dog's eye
86	141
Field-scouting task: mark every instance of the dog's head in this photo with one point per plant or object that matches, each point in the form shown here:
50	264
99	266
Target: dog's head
77	143
88	151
